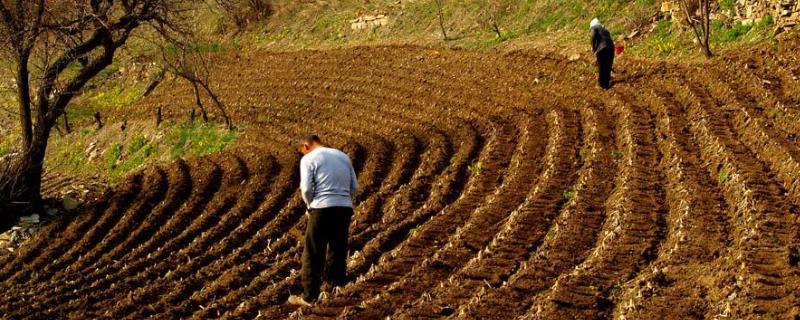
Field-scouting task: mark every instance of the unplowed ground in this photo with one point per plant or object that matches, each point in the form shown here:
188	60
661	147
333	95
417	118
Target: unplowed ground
494	185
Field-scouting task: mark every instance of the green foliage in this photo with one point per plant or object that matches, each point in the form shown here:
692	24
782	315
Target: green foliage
138	142
570	194
728	5
617	154
6	144
110	98
475	168
661	42
774	112
198	140
724	176
722	33
114	155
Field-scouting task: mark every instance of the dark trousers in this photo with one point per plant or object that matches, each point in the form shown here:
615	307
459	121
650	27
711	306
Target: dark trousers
326	236
605	63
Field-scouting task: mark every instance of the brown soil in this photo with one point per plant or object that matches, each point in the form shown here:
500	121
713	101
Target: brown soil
494	185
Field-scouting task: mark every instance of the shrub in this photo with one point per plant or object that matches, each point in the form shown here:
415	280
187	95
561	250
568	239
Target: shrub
241	13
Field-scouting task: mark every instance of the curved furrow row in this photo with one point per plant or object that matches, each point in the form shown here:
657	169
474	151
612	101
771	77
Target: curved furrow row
477	230
261	195
177	302
697	237
780	112
436	229
14	273
107	220
130	276
283	273
154	182
631	234
139	227
519	232
569	238
42	248
766	282
205	179
224	275
407	152
769	144
531	169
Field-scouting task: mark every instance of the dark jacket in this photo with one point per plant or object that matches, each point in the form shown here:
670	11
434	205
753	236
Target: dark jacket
601	39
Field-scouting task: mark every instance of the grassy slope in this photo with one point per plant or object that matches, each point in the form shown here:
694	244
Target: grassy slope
556	24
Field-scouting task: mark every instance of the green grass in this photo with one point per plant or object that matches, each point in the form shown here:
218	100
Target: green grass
197	140
723	34
7	143
570	194
724	176
475	168
118	154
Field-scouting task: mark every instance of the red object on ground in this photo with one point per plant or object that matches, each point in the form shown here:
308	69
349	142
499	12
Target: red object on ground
618	49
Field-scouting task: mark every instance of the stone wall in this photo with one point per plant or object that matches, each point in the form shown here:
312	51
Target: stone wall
786	13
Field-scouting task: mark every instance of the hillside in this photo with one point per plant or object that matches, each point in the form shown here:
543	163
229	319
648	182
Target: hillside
497	180
511	188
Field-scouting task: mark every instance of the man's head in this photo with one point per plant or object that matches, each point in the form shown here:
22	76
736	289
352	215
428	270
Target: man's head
595	23
309	143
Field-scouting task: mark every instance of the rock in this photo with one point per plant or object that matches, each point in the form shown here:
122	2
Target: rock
34	218
69	203
667	6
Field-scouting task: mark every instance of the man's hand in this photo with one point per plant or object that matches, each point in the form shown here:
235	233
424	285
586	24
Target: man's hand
307	214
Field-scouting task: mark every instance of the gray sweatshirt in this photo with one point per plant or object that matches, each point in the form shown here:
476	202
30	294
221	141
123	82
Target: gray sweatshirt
327	179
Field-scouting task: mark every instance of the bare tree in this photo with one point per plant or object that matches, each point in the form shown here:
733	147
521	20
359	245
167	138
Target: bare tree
441	19
243	12
189	63
58	46
697	14
494	11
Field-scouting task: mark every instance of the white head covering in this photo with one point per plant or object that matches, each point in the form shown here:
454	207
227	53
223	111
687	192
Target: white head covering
595	23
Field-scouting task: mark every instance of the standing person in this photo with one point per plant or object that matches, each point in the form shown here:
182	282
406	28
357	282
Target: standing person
328	184
603	47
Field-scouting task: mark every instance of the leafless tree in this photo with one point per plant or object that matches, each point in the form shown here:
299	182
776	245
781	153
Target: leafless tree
243	12
494	11
440	15
58	46
189	63
697	14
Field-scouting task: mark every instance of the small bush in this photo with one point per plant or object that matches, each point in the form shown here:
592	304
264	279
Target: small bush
724	176
114	154
240	14
475	168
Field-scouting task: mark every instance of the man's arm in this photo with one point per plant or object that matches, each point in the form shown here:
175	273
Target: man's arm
307	182
353	181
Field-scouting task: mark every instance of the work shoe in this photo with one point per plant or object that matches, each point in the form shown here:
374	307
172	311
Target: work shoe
298	301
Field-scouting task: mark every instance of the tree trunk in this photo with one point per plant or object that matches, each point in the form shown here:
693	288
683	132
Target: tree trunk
23	186
441	19
67	127
219	105
199	102
24	100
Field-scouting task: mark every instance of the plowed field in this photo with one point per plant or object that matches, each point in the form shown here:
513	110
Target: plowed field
494	185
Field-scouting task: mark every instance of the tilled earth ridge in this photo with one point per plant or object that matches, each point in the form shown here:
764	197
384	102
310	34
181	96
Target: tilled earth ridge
494	185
